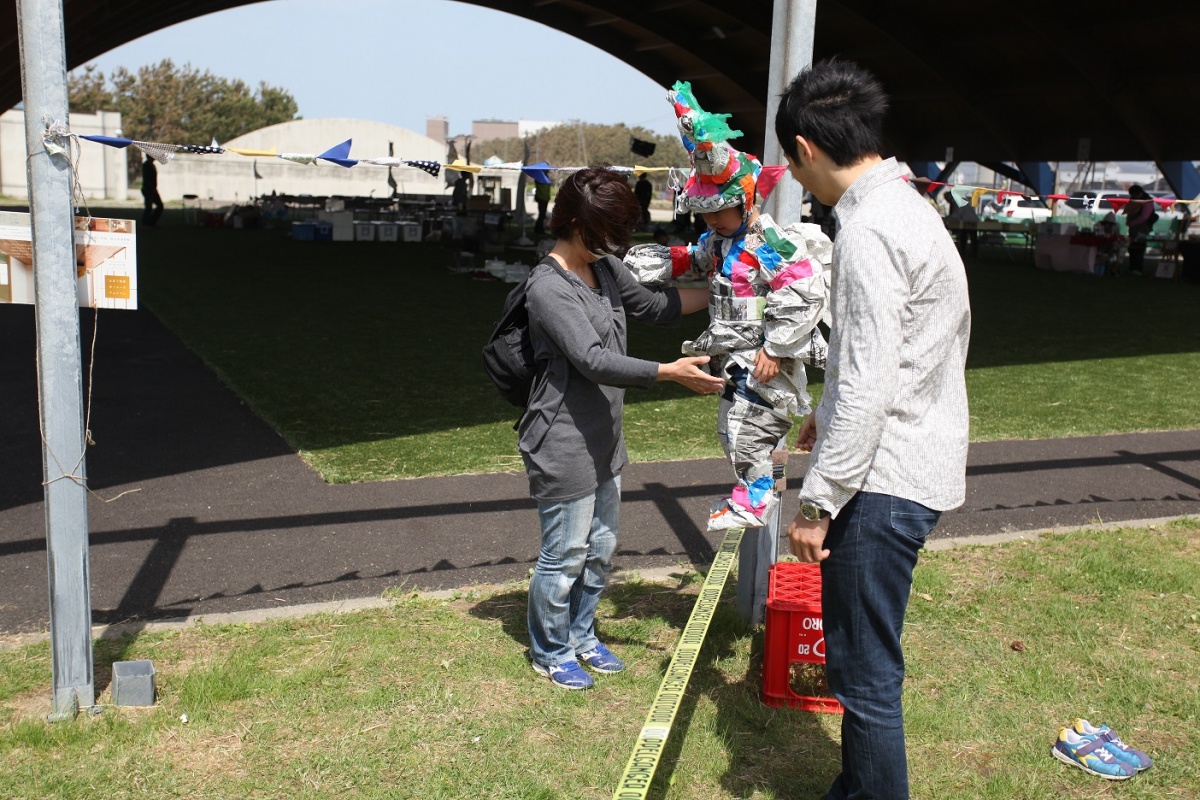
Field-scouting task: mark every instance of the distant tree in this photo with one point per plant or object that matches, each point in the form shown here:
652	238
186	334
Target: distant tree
179	105
581	143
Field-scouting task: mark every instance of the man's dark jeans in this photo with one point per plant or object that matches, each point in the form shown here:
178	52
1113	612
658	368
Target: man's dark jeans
873	545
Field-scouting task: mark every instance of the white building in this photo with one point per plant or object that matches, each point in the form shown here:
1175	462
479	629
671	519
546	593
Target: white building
530	127
102	171
230	177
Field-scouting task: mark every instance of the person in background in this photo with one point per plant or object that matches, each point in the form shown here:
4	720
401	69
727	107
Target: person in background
150	198
643	190
459	195
889	436
570	436
1140	216
967	237
541	196
1108	254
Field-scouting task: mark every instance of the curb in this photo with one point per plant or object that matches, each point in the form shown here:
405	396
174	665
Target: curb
660	575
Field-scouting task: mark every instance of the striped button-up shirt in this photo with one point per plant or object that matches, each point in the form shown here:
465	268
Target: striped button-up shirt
893	418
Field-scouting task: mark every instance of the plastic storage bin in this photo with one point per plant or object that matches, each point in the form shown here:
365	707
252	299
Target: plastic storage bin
794	634
386	231
410	231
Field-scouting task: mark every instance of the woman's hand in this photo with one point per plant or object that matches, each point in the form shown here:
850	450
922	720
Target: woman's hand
686	371
766	367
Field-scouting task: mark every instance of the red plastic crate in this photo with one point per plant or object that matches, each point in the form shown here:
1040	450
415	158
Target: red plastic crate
793	634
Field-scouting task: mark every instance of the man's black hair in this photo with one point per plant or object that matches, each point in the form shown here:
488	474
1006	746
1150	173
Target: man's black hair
838	106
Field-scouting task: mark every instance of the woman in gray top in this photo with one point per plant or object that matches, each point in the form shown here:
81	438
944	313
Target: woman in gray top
570	436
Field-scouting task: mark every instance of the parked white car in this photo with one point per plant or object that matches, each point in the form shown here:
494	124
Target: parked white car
1015	208
1092	201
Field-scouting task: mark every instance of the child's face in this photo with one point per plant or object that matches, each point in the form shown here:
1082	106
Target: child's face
724	222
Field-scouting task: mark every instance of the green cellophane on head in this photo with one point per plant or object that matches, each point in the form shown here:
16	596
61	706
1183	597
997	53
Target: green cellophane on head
706	127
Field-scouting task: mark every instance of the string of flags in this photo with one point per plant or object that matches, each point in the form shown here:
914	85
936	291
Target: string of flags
340	154
1117	202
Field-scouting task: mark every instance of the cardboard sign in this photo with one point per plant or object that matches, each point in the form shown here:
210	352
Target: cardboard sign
105	261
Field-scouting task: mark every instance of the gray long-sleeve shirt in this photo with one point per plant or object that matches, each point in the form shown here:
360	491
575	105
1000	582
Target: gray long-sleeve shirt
893	418
570	436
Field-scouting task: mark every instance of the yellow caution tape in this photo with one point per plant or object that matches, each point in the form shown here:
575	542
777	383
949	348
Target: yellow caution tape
635	782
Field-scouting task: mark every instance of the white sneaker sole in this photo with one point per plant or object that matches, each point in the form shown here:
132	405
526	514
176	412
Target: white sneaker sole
1054	751
545	673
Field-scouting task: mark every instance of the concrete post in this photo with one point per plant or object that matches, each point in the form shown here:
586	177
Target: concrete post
60	379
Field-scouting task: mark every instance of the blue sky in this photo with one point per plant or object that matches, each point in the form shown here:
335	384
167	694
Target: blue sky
399	61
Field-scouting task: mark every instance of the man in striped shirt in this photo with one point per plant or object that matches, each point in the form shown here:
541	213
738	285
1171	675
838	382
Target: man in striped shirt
889	437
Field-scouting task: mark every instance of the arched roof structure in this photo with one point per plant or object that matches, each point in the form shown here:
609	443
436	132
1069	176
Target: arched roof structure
1017	80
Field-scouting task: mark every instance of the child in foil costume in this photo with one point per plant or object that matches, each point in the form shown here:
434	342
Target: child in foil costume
768	288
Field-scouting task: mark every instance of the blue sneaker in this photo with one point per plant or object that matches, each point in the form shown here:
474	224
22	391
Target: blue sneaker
1090	755
601	659
567	675
1121	751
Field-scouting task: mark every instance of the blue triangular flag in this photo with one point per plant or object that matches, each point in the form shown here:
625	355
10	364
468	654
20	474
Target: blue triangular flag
111	141
340	154
537	171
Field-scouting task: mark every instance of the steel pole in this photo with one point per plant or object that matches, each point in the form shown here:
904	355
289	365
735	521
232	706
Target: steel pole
792	32
793	25
60	378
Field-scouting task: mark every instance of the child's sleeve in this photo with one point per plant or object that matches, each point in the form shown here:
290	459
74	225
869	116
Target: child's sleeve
657	264
795	262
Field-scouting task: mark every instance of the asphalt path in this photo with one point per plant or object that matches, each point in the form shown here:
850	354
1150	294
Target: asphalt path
199	507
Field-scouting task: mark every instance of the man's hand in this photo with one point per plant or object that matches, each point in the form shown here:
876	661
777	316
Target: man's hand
806	539
807	437
766	367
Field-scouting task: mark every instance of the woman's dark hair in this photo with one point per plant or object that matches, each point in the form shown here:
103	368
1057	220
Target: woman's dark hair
597	203
1137	192
838	106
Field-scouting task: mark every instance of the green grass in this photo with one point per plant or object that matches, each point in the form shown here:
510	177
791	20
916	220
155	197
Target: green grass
434	698
365	356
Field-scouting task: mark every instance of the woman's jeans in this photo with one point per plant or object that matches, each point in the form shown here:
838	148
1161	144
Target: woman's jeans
865	583
578	540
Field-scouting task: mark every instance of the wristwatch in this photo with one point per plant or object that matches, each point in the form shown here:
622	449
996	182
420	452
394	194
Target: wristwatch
811	511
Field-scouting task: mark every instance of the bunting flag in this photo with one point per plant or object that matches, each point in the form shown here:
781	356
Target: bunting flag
640	170
202	149
339	154
254	153
306	159
162	153
432	167
538	171
111	141
768	179
462	166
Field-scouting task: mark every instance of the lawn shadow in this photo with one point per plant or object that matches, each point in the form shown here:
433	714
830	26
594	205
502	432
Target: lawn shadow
786	752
